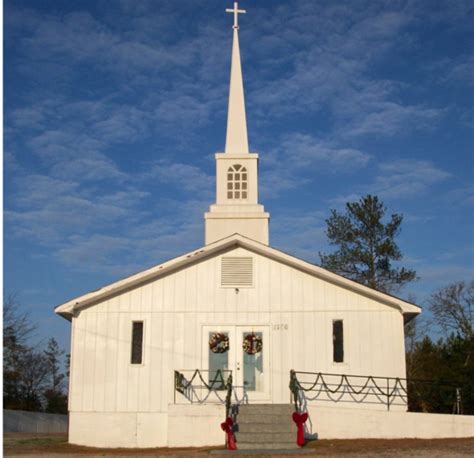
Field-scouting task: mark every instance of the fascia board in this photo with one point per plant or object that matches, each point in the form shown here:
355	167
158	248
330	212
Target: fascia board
323	274
68	308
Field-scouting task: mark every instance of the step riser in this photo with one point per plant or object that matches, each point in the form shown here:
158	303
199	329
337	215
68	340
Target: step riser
252	428
277	409
265	427
263	438
263	419
274	446
271	413
263	415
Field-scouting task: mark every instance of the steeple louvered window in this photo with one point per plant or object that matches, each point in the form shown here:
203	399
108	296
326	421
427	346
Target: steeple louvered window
237	182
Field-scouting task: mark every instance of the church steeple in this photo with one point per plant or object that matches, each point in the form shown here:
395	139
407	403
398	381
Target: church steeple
236	140
236	209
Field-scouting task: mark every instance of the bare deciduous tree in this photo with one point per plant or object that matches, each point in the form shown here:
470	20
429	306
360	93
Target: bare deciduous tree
31	377
453	308
33	381
17	328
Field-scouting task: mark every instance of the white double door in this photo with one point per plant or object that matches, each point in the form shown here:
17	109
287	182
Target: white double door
250	370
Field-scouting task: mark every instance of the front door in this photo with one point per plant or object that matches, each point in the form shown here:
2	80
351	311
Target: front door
245	351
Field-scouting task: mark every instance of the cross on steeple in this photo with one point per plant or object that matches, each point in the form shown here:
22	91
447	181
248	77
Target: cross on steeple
236	12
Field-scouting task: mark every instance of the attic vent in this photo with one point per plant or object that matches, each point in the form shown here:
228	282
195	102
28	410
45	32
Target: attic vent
236	272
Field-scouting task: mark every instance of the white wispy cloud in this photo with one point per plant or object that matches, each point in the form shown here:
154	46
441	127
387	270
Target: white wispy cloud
48	210
82	38
300	234
183	110
443	274
299	158
333	70
398	179
172	230
304	150
461	195
108	82
461	70
182	176
407	177
390	118
276	180
28	117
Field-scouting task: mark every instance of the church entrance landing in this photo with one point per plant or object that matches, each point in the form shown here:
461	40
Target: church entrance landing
242	350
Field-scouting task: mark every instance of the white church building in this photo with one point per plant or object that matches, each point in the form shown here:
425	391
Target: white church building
236	306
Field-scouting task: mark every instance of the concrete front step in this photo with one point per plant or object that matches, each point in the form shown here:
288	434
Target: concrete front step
274	409
263	419
268	446
265	413
272	427
253	453
265	427
263	438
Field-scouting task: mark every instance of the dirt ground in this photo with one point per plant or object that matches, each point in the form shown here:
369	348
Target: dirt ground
55	445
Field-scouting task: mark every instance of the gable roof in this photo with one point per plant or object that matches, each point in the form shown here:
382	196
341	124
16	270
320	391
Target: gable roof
68	309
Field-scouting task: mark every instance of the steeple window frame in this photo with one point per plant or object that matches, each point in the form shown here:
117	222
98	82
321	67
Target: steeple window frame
237	182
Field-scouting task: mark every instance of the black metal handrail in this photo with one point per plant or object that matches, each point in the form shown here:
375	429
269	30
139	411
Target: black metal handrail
218	383
387	388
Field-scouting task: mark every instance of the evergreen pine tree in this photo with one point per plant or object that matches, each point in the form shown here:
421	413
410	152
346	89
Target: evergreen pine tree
366	246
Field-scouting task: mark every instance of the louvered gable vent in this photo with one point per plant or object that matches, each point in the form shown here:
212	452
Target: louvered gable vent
237	271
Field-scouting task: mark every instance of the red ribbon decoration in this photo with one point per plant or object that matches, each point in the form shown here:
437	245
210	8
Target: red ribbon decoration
299	419
227	427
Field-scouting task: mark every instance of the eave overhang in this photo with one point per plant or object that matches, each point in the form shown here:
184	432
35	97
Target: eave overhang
68	309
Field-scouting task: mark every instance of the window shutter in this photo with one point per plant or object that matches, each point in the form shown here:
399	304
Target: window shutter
237	271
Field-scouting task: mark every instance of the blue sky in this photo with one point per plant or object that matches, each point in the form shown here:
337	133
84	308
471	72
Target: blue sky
114	110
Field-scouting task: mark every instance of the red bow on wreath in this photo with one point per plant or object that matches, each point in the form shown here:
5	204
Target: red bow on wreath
227	426
299	419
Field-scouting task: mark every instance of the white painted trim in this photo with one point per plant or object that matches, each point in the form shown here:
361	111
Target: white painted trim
71	363
68	309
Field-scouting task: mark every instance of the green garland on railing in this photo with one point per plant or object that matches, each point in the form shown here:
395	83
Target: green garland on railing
228	398
320	379
181	384
294	388
399	388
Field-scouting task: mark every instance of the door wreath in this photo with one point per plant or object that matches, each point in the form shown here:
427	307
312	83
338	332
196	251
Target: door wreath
252	344
219	342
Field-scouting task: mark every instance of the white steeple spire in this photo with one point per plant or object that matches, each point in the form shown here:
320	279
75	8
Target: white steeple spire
236	209
236	140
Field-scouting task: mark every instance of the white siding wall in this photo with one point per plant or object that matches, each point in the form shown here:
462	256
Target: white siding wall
175	307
